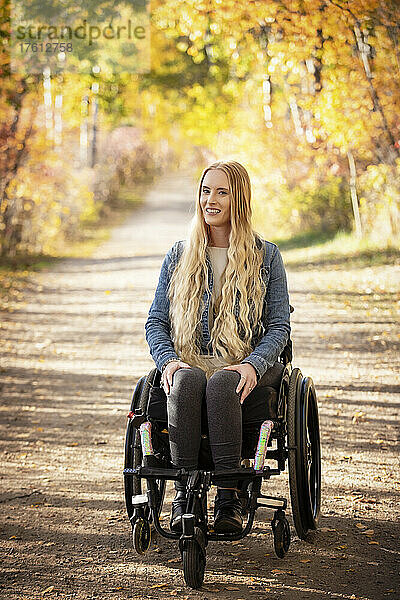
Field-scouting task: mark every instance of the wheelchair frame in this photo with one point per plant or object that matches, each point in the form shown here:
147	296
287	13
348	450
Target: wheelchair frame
296	431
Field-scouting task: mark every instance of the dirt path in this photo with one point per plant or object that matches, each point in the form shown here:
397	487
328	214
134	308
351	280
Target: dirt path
72	352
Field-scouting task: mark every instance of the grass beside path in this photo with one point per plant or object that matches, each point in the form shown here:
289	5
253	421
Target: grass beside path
15	271
345	273
340	250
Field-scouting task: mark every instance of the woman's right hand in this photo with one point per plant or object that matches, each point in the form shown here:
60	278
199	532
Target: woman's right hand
166	377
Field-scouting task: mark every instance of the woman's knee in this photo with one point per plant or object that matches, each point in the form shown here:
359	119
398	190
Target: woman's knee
192	377
223	382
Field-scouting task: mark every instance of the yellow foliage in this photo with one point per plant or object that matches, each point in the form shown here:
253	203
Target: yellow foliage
240	80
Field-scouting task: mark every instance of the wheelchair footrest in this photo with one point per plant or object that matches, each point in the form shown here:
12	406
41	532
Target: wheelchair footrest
140	500
271	502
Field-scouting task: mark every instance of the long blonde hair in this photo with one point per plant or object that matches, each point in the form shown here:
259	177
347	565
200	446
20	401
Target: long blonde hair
241	276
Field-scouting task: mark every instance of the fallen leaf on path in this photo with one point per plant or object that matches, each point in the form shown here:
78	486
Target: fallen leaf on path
360	526
47	590
306	560
358	417
368	532
377	543
281	572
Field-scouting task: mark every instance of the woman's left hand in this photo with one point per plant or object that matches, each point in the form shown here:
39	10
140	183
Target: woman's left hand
248	378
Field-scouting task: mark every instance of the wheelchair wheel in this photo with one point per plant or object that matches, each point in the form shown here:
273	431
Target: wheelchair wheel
304	453
134	456
131	441
141	535
194	562
281	537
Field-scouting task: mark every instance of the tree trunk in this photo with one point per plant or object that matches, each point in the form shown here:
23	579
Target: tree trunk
353	193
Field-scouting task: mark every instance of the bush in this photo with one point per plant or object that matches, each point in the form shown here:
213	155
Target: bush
326	208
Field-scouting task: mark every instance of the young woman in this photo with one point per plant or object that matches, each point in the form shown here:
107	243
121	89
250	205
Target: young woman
219	320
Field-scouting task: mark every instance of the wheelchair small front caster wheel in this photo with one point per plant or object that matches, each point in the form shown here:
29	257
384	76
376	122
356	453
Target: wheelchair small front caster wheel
281	531
194	560
141	535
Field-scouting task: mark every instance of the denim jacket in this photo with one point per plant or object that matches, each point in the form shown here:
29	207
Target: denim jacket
269	337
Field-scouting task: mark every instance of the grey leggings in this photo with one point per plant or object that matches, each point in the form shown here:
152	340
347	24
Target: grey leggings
224	414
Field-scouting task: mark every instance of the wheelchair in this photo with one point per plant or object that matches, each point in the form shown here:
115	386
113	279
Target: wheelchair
289	403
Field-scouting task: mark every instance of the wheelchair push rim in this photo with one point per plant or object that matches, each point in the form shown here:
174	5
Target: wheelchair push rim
304	453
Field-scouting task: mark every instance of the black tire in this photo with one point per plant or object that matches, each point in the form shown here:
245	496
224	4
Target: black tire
132	440
141	535
281	537
304	453
311	461
194	562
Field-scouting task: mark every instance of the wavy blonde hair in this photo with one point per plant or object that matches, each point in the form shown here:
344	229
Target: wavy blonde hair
242	276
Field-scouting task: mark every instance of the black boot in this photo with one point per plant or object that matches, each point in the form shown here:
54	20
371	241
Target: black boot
178	506
227	512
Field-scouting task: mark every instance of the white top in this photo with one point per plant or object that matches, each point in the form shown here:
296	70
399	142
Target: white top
219	259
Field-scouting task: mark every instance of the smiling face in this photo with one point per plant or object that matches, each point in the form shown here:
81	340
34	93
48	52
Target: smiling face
215	199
